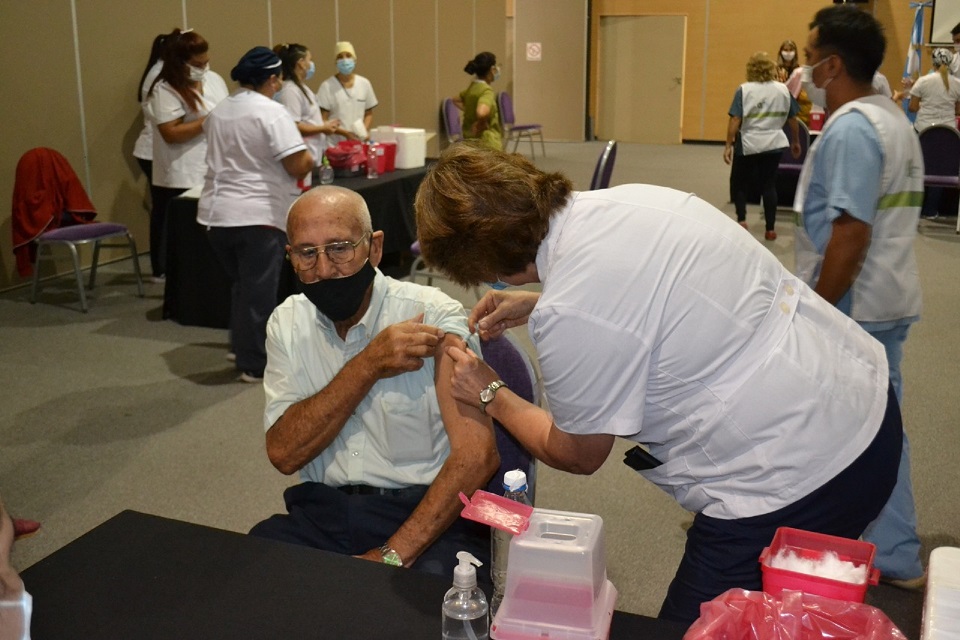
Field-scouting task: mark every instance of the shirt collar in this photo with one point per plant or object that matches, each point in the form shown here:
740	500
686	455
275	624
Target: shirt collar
549	243
369	318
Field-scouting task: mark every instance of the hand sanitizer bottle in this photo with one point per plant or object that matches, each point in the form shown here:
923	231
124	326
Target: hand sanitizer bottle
326	171
465	612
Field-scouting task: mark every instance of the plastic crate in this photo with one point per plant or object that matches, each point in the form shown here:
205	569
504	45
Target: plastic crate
810	545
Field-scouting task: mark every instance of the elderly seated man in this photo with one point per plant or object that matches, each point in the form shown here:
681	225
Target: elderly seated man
358	400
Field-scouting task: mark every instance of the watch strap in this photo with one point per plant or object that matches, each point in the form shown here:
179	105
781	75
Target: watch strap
389	555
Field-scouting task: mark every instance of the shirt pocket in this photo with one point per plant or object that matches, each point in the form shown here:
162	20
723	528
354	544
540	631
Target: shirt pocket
409	434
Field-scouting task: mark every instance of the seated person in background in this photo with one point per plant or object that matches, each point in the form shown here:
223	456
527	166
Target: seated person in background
358	400
16	605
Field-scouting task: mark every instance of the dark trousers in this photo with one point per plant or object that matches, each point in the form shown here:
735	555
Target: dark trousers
252	258
724	554
325	518
161	197
761	167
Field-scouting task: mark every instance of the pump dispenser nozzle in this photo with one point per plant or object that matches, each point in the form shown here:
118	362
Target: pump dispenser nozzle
465	573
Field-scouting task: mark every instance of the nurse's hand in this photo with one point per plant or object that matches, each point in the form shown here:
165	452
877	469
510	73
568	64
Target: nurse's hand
498	311
470	375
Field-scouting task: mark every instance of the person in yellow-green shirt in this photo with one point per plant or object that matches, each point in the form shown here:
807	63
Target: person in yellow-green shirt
481	118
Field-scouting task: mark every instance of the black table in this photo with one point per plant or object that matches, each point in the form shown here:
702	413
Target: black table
197	290
145	577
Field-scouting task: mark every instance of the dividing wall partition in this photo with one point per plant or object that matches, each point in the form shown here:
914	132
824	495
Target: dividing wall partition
70	70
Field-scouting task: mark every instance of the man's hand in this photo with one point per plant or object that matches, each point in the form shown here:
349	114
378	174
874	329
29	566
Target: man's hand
373	555
796	150
402	347
498	311
728	154
470	375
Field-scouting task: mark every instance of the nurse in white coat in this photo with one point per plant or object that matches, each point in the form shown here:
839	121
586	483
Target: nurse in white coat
184	93
347	97
300	101
255	158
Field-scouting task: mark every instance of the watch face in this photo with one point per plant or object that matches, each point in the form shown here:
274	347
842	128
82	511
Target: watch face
486	395
392	558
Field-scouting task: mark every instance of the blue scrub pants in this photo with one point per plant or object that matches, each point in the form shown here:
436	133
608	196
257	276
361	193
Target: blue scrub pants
894	532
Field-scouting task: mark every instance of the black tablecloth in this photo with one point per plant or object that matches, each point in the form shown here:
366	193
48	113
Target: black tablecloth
197	290
144	577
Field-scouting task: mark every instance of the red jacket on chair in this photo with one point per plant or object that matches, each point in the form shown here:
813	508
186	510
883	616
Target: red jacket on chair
46	187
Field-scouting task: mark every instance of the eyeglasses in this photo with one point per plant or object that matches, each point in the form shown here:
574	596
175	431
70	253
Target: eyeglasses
337	252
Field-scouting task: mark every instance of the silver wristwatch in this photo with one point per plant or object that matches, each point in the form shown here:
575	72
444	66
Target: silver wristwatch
489	393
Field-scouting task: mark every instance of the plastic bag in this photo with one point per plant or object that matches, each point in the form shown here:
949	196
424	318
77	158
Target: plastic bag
755	615
348	158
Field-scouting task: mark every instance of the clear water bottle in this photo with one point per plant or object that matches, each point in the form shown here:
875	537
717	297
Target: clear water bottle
514	488
326	171
373	149
465	612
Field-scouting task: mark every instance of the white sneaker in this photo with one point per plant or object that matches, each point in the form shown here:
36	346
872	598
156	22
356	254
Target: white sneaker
231	356
250	378
161	279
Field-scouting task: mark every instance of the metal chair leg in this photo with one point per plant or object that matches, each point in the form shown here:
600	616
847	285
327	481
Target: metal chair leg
35	287
78	275
93	266
543	147
136	263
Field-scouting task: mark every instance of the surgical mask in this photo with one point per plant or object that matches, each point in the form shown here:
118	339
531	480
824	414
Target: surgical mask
197	73
311	70
346	65
807	74
496	73
499	285
788	56
340	298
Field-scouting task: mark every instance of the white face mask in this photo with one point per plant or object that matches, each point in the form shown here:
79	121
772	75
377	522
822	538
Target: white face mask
807	73
788	56
197	73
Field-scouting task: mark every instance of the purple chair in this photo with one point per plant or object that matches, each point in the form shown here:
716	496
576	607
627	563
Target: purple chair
514	367
75	235
604	168
517	131
941	158
789	164
451	121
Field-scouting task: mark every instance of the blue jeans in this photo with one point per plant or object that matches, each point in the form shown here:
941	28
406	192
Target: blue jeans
894	532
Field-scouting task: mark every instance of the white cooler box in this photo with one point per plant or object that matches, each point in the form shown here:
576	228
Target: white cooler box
411	145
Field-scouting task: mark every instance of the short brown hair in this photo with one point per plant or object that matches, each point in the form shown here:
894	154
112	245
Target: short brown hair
482	212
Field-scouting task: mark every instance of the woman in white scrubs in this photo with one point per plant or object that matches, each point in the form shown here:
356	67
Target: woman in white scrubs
662	323
255	159
180	99
300	101
347	97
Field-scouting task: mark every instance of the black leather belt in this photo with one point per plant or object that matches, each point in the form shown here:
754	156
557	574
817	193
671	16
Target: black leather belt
367	490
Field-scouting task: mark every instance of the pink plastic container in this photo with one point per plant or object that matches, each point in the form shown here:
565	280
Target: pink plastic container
810	545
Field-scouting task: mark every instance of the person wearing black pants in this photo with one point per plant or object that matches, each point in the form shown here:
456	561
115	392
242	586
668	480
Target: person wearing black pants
756	169
756	140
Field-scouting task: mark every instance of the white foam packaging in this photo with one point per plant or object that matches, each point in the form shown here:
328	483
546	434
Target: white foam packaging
941	606
411	145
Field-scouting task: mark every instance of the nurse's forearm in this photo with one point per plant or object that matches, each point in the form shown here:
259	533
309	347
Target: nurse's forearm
534	428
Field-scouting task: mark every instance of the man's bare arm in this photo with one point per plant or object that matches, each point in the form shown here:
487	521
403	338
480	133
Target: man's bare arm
843	257
473	460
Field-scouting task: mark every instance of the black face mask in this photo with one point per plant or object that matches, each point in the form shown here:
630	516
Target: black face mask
340	298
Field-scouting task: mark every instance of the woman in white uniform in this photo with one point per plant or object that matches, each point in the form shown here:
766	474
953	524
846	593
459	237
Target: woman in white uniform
300	101
180	99
662	323
255	156
347	97
143	147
